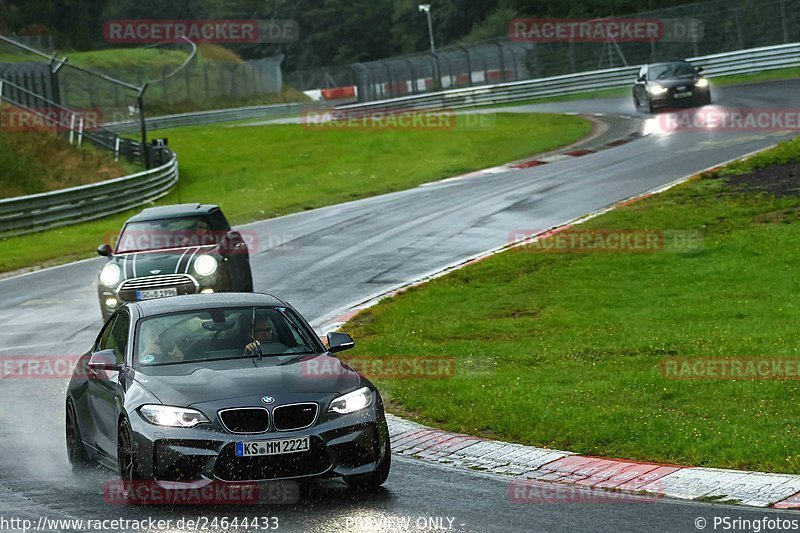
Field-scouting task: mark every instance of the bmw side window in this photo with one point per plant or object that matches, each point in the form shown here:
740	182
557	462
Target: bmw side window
118	340
103	340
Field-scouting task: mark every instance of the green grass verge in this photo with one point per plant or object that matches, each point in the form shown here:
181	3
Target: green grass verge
259	172
564	350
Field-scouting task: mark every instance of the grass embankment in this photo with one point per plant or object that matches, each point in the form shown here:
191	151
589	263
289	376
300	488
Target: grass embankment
563	350
259	172
34	162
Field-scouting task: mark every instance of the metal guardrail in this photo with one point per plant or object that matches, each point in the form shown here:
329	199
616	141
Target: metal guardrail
37	212
201	118
739	62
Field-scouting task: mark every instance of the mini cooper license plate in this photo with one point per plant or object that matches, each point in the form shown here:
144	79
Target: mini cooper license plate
683	95
272	447
156	293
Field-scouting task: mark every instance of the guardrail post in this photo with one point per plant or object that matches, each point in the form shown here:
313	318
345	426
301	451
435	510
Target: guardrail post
80	132
1	103
71	127
116	149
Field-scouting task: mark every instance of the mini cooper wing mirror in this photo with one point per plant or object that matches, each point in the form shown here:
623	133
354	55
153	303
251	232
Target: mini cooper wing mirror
104	360
339	342
640	79
104	250
699	69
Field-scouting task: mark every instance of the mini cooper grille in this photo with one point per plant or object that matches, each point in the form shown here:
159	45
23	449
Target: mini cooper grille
156	282
245	421
297	416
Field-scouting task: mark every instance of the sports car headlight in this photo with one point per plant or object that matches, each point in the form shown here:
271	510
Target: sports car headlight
176	417
702	82
657	89
352	401
110	275
205	265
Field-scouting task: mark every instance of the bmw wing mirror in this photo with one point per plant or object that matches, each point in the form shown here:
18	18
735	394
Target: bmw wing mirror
339	342
104	250
104	360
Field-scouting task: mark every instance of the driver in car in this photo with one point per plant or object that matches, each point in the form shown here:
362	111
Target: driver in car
262	332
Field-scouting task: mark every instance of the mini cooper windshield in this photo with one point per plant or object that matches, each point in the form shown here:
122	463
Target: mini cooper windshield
164	234
216	334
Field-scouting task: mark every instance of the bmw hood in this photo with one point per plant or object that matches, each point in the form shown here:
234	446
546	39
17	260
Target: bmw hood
185	384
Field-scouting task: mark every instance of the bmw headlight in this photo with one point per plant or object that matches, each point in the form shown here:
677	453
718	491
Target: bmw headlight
176	417
657	89
110	275
205	265
702	82
352	401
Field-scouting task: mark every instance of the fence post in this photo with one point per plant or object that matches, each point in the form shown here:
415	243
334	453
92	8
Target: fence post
143	126
116	149
783	21
469	64
2	118
502	60
164	84
205	79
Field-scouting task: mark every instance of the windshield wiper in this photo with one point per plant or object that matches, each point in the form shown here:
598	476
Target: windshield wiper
257	351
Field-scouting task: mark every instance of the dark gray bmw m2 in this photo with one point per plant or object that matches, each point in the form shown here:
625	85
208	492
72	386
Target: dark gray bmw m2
223	388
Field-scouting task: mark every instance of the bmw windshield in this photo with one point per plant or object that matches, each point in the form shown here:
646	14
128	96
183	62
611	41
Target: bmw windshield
217	334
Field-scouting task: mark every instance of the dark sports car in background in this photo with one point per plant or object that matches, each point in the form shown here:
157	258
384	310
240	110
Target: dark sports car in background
222	388
674	84
170	251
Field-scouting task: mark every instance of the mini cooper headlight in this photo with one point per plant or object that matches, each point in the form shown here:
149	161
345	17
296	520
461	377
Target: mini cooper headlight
205	265
702	82
176	417
352	401
658	89
110	275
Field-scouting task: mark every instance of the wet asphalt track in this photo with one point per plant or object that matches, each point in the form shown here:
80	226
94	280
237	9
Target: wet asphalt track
321	260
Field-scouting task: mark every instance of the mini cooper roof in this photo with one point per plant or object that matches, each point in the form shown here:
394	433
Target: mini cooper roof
174	211
192	302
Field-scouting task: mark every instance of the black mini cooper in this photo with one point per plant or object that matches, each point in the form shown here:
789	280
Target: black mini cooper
170	251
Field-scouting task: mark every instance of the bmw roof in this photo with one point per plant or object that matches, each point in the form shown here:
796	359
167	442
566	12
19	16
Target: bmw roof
191	302
173	211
